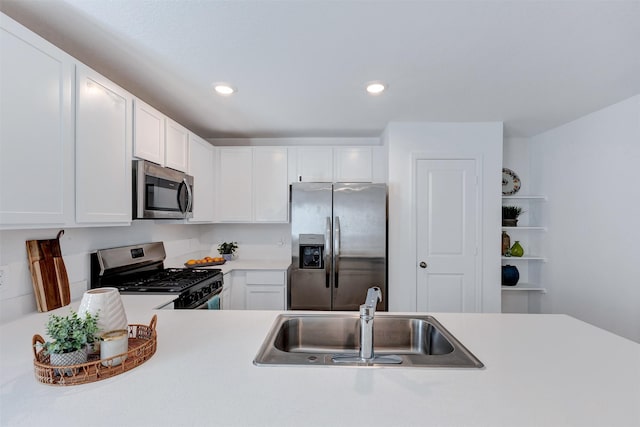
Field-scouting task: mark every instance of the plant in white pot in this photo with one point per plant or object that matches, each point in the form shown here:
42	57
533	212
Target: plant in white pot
70	334
227	250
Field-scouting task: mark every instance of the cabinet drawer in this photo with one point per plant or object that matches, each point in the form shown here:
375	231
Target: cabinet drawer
266	277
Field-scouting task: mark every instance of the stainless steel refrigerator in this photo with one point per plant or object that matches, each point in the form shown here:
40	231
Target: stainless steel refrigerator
339	245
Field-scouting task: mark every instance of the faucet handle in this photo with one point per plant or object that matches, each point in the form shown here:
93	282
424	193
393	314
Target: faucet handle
374	294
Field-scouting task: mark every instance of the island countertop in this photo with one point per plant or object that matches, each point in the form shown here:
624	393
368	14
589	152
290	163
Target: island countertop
540	370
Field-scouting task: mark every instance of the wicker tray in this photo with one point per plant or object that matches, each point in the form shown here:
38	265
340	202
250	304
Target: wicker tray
142	345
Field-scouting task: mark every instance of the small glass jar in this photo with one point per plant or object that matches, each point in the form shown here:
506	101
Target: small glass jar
113	343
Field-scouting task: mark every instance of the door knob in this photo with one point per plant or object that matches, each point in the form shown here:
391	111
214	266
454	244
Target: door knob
423	264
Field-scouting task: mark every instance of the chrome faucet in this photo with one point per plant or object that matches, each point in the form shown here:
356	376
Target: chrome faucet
367	313
366	355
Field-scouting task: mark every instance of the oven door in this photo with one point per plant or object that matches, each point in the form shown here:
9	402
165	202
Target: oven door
213	303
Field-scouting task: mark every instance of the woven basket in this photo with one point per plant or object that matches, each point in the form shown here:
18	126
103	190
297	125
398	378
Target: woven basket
142	345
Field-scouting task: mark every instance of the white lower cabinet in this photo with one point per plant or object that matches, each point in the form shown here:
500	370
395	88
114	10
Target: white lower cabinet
103	149
265	290
225	295
256	290
36	131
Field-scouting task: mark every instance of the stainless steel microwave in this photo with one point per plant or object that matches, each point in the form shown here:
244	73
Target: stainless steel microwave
161	193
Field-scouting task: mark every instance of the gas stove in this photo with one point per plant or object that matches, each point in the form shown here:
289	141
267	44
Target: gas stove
140	269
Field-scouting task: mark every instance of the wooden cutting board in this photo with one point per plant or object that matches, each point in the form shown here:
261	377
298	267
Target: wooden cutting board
48	273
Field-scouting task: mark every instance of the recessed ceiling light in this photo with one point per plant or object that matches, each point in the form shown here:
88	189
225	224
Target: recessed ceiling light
224	89
375	88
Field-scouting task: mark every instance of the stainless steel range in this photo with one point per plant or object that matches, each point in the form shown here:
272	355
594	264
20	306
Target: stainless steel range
140	269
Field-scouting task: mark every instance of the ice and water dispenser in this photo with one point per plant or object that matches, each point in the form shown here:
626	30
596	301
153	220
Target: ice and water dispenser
311	251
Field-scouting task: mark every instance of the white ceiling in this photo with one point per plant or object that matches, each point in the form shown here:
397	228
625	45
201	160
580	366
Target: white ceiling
300	66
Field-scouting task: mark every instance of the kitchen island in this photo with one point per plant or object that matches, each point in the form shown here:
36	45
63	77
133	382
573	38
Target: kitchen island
540	370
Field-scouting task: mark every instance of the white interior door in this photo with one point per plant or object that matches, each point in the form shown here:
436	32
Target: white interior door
447	218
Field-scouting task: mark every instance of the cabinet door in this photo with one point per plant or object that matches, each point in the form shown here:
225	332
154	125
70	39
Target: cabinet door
270	185
103	149
265	290
233	183
315	164
235	284
261	297
352	164
225	295
176	146
36	135
148	133
201	164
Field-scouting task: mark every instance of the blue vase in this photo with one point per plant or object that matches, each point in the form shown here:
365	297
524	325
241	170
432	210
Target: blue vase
510	275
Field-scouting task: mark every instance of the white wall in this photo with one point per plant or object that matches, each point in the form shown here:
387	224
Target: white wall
16	293
589	170
255	241
472	139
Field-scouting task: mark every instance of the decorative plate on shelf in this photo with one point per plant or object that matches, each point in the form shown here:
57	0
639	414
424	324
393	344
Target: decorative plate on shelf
510	182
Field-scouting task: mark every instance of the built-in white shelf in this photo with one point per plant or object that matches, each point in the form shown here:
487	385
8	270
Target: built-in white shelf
525	228
522	287
516	197
524	258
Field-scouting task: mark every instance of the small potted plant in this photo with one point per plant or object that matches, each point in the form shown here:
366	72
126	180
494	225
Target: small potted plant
510	215
227	250
70	334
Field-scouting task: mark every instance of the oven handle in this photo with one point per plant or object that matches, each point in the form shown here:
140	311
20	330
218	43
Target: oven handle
205	305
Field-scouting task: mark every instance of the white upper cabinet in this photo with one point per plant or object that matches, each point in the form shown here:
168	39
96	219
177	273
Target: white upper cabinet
36	135
234	184
270	185
331	164
148	133
159	139
352	164
252	184
201	167
103	149
176	146
314	164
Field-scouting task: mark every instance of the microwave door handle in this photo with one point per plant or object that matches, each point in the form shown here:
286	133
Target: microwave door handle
184	184
178	198
189	197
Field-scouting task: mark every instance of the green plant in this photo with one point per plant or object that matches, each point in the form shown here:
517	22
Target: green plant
227	248
70	333
511	212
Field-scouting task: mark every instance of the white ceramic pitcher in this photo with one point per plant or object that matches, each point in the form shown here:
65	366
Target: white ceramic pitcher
107	304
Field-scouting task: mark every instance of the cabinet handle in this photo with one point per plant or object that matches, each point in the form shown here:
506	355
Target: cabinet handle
423	264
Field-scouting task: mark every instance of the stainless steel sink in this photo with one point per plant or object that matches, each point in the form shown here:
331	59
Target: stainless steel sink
314	339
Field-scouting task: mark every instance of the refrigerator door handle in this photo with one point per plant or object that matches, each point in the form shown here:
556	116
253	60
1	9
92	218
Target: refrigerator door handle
336	251
327	253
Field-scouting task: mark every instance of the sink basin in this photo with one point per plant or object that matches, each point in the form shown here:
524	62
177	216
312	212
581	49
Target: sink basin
313	339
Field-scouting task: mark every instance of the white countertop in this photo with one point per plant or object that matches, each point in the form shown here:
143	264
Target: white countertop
540	370
237	264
